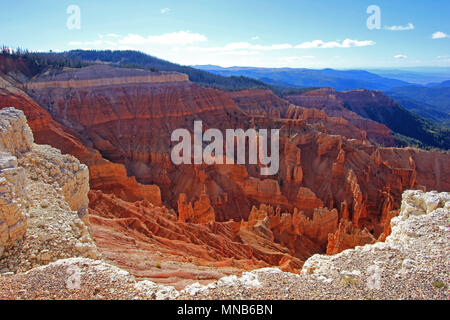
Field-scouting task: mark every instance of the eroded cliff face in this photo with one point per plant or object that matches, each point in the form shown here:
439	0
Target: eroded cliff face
43	200
14	141
336	104
104	175
332	179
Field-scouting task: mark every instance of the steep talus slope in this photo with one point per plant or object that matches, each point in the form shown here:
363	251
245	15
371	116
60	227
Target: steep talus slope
151	243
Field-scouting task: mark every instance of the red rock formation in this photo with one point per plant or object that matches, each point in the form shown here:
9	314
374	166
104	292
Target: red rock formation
347	236
151	243
201	212
302	235
307	201
260	103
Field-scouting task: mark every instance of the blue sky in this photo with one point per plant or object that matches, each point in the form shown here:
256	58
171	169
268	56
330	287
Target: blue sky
283	33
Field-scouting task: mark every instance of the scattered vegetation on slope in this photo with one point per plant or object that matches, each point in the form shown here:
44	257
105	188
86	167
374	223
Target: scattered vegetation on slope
33	63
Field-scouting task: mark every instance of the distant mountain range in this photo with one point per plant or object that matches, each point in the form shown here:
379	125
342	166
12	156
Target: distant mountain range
431	102
422	76
341	80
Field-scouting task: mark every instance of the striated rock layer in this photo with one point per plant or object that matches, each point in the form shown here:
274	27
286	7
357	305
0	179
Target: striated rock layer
104	175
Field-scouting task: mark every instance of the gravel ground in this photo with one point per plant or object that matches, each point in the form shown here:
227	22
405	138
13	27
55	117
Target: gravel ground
75	278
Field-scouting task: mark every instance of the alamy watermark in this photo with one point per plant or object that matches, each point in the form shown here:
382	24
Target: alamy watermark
74	19
73	281
374	281
236	140
374	20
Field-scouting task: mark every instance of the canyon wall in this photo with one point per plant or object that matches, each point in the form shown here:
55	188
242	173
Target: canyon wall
335	188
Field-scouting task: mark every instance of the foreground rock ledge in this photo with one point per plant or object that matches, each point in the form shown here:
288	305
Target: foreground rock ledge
413	263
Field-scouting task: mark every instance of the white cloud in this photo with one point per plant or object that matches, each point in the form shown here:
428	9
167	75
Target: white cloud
409	26
255	38
347	43
296	58
165	10
87	43
440	35
242	46
401	56
241	53
75	43
110	43
174	38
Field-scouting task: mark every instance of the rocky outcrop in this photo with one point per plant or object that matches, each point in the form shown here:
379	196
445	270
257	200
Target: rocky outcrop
64	171
300	233
15	140
346	237
414	253
201	212
43	202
